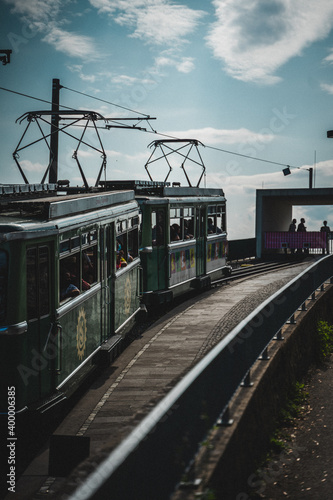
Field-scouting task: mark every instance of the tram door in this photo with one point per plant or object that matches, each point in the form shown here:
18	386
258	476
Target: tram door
107	254
39	316
160	253
200	241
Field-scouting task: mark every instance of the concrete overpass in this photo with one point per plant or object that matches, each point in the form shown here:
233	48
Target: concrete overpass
274	208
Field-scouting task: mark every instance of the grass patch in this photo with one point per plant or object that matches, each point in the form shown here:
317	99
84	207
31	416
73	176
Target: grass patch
294	405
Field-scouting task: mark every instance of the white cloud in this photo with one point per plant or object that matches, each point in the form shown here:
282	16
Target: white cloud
254	39
36	10
209	136
44	17
124	80
156	22
72	44
327	88
183	65
329	58
77	68
29	166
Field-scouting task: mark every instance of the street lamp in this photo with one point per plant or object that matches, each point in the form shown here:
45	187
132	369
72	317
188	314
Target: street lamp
286	171
5	59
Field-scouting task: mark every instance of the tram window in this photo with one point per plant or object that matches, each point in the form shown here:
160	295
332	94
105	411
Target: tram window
188	223
76	278
121	243
44	288
75	243
70	276
38	287
121	226
176	232
157	227
221	218
132	249
214	220
89	267
64	246
3	284
181	223
69	245
32	283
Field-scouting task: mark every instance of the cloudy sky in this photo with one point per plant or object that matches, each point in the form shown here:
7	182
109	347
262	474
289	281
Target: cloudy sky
252	81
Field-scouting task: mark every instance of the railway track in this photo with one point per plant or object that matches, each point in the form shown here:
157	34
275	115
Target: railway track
248	269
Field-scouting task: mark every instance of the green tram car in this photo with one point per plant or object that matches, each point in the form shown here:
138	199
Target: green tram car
65	301
183	243
76	269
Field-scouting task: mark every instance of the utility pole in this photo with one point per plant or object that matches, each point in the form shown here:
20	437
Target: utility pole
54	140
310	177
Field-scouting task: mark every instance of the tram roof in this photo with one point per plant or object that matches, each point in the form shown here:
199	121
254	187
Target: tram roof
52	206
162	189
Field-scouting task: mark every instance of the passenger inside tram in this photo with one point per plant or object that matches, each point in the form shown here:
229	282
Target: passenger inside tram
175	232
67	287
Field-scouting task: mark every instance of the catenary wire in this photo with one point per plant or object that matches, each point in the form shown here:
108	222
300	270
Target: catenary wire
107	102
32	97
148	131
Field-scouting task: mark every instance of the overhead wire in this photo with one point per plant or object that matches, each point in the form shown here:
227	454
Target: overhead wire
152	131
32	97
225	150
103	100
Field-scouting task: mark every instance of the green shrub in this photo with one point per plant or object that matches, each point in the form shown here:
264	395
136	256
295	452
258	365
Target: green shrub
325	338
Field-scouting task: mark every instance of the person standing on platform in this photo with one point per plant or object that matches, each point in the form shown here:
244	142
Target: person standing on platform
326	229
301	229
292	229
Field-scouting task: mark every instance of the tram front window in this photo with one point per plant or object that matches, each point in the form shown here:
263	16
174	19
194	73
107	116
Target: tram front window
3	284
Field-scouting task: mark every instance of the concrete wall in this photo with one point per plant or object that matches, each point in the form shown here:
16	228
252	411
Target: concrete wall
230	456
288	363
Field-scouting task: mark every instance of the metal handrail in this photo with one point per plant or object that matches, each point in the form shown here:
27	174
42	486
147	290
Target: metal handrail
150	461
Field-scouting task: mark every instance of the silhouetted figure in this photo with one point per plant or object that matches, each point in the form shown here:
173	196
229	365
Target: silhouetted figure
325	229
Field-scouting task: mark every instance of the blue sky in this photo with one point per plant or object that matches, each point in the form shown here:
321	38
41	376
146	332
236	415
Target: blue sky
251	78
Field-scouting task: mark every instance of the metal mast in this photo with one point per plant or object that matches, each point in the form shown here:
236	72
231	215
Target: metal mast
54	140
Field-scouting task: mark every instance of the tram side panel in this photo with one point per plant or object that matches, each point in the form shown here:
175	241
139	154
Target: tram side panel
184	245
154	253
217	251
56	303
126	276
77	329
27	354
15	343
